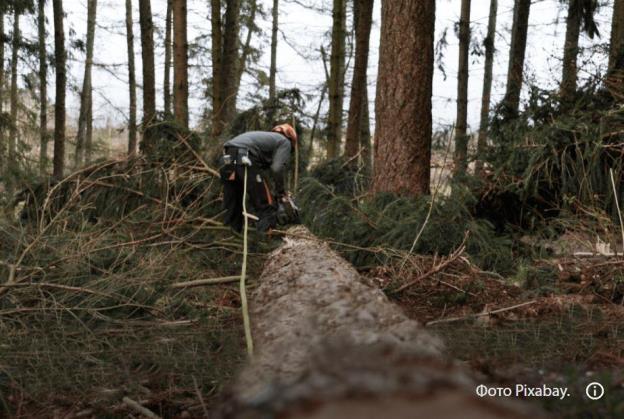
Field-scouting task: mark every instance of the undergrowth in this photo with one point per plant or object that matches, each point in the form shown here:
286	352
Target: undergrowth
372	227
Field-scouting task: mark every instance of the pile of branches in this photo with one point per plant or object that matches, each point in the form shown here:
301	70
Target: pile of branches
98	309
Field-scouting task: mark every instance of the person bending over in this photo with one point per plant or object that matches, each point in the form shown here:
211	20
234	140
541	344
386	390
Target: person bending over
258	151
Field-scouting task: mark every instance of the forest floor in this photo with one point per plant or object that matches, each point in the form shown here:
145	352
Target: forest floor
566	333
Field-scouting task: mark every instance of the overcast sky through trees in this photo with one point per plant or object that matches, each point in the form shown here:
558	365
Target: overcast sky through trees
305	31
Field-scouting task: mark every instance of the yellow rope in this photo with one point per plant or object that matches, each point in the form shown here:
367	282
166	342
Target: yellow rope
243	293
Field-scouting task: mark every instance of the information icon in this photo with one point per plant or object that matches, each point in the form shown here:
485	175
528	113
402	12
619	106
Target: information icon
594	390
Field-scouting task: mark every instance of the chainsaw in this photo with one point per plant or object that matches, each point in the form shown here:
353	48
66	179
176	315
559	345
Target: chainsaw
287	211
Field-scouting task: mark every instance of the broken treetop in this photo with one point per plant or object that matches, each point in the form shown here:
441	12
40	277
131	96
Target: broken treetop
268	149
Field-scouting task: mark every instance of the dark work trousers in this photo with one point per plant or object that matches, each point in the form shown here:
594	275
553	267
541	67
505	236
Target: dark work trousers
260	202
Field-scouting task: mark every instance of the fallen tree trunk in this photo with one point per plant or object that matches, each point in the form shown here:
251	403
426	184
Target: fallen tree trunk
330	346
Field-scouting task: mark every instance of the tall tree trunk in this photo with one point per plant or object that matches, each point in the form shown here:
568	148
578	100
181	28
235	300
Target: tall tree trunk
336	82
217	51
60	58
11	162
180	70
89	133
43	88
149	81
363	17
403	103
365	134
273	70
2	144
168	46
251	22
570	52
616	52
230	61
461	125
132	131
487	87
85	95
515	72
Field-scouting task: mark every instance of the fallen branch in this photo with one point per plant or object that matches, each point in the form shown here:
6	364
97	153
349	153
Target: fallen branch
437	268
474	316
209	281
139	409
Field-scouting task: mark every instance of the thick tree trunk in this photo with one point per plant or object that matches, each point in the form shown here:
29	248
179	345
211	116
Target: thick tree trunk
230	61
570	52
60	57
616	52
461	137
336	80
273	69
217	51
180	47
43	88
132	131
487	88
327	345
363	18
515	72
86	94
225	63
168	47
403	104
149	81
11	162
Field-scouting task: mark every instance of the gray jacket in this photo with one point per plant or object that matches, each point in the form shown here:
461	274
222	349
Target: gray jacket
268	150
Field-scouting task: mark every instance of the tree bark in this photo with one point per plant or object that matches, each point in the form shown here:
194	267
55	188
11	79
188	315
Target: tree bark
515	72
89	137
365	134
60	57
327	345
230	61
11	162
461	125
2	143
487	87
132	131
217	51
149	81
363	18
43	88
225	63
616	51
570	52
180	46
403	103
86	94
273	69
168	47
336	81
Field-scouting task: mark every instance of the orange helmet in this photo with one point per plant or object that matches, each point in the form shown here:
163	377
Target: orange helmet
288	131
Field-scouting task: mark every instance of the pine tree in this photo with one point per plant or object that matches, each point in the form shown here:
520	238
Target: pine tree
336	81
403	105
461	125
60	58
363	17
